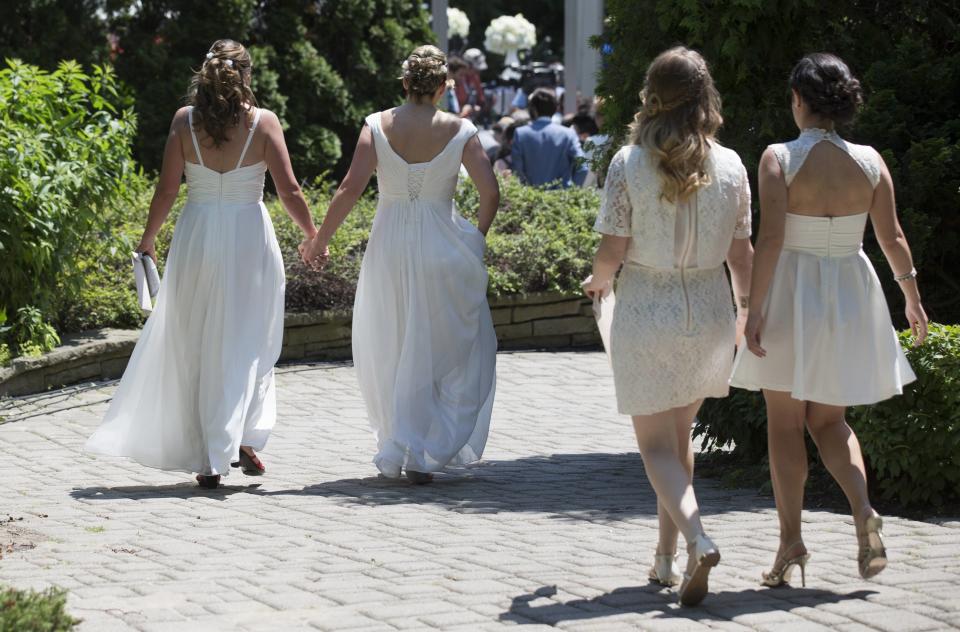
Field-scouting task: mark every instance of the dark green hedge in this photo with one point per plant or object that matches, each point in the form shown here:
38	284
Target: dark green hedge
907	55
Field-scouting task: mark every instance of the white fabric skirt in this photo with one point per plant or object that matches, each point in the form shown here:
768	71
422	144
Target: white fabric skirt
672	338
424	346
200	381
828	334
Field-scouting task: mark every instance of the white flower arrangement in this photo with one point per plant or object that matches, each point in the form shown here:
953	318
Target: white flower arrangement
458	24
510	33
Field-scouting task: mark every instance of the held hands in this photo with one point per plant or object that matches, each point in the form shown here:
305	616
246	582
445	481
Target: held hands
314	253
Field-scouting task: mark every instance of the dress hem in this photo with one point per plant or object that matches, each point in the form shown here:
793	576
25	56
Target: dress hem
829	401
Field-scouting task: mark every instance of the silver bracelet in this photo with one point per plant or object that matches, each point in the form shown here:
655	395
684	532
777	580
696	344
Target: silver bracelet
906	277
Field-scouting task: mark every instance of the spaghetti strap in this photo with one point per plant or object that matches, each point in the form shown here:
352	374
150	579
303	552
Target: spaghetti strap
256	119
193	135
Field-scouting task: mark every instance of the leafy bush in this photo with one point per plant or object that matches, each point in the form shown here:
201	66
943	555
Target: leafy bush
737	422
912	442
541	241
907	59
65	168
31	611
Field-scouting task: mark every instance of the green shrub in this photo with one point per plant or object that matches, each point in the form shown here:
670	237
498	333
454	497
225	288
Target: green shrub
737	422
65	167
541	240
912	442
32	611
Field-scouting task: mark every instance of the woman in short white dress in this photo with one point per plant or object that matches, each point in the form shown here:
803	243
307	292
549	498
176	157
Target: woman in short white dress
198	393
819	332
676	206
423	340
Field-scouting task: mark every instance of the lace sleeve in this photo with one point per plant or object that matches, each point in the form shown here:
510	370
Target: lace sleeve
742	230
615	209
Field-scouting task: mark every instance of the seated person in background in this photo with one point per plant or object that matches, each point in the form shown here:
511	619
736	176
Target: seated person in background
503	165
497	129
469	89
584	125
544	152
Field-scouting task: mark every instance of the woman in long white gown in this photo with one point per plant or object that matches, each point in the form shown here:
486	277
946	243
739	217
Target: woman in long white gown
819	332
423	340
198	393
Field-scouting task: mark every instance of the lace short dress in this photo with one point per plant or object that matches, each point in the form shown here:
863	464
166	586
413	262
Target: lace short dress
674	328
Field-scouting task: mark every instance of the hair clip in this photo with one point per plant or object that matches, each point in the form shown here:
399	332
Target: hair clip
228	62
209	55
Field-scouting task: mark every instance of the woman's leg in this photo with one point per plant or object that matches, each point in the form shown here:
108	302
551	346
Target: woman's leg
840	452
667	544
788	465
667	461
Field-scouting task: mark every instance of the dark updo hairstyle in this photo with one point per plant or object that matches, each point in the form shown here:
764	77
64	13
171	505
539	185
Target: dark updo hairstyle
825	83
424	71
220	91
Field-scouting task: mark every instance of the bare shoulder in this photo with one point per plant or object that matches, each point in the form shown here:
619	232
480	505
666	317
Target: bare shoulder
181	119
268	120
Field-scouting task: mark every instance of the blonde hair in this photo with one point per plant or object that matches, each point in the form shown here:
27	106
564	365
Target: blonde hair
679	118
424	71
220	91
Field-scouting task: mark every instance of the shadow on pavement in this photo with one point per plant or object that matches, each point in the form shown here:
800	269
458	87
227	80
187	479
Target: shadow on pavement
587	486
655	600
141	492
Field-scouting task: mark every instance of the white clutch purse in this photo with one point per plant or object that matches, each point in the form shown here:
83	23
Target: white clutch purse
147	278
603	311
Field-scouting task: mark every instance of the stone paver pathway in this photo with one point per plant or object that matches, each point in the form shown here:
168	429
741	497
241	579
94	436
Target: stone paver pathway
555	528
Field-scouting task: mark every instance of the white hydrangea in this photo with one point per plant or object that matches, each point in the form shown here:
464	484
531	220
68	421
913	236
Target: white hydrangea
510	33
458	24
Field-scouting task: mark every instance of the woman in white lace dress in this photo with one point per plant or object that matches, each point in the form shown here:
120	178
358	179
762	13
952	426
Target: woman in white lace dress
819	333
198	393
676	206
423	340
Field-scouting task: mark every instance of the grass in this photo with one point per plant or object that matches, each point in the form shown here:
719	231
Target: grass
97	529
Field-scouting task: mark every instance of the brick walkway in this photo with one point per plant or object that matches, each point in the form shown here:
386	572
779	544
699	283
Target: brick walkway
555	528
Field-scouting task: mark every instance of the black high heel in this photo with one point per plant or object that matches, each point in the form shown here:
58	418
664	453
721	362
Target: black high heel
418	478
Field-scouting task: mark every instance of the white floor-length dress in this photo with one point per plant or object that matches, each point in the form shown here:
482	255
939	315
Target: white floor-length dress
423	339
200	381
827	328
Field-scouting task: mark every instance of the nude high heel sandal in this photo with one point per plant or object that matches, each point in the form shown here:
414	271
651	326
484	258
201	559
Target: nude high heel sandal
779	575
872	557
665	570
704	555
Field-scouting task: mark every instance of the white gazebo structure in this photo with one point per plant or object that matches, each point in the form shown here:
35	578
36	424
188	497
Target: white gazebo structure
582	20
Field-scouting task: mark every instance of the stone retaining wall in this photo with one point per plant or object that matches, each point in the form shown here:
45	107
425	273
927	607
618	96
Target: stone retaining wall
531	321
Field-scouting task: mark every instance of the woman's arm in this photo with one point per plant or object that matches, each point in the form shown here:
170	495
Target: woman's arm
278	162
883	216
351	188
488	189
740	263
610	256
168	185
773	218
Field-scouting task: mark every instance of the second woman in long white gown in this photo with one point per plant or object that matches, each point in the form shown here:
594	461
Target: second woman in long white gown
423	339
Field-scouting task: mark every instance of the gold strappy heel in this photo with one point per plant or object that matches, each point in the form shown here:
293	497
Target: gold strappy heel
779	575
872	557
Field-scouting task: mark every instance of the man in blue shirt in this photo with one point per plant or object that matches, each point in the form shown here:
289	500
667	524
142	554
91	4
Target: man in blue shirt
544	152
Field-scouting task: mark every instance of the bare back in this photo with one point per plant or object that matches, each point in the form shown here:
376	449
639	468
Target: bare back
827	176
417	134
225	158
829	184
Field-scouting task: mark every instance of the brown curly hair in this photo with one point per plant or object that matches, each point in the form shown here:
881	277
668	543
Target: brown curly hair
220	90
424	71
679	118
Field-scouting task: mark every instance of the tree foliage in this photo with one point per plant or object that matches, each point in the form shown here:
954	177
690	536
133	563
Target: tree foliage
907	56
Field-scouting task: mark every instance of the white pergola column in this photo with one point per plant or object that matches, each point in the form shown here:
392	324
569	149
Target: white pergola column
582	20
439	9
